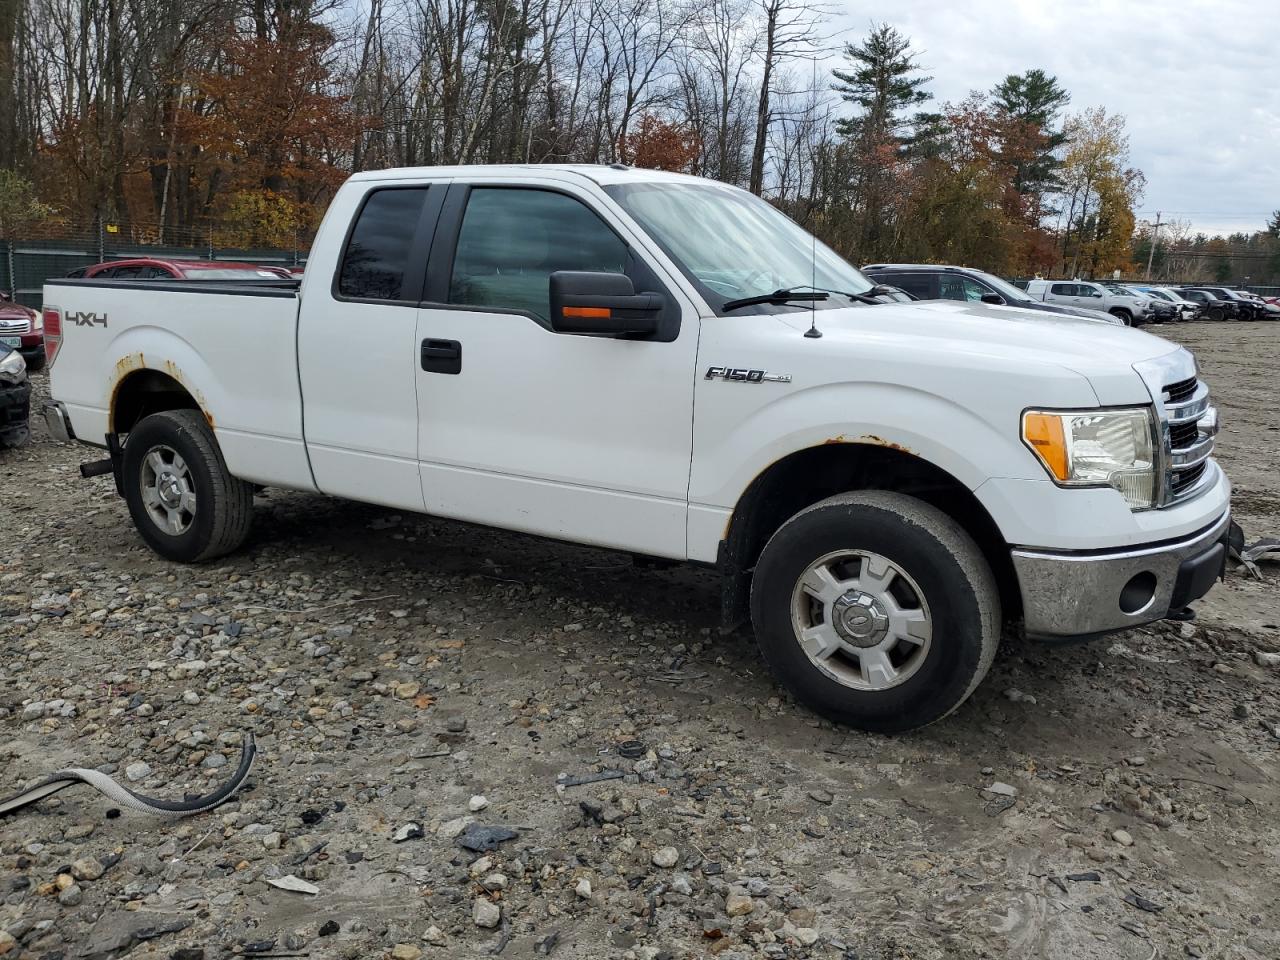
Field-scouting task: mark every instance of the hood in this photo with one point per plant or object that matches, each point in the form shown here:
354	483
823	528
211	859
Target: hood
1001	336
1098	316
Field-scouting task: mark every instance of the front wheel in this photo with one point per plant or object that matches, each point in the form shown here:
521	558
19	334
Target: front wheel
183	500
876	610
1124	316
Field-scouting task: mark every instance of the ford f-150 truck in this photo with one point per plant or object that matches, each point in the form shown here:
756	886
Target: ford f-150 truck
670	367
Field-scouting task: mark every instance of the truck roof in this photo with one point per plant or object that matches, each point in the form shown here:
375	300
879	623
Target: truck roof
597	172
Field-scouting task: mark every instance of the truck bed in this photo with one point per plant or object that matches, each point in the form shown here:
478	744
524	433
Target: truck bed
230	344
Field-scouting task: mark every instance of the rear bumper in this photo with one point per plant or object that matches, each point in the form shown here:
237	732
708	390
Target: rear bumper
1087	593
57	422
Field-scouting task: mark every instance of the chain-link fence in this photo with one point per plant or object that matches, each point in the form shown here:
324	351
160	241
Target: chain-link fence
54	250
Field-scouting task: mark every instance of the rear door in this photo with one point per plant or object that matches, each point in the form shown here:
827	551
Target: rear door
581	438
357	346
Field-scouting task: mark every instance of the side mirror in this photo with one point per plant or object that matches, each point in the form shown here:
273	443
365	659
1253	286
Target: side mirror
605	304
993	298
883	290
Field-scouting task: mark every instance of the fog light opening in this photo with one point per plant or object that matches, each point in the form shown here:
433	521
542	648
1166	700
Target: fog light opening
1138	592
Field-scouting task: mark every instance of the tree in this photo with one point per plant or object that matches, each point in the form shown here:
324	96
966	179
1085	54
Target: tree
19	206
884	85
1273	226
1101	191
790	30
1033	99
656	144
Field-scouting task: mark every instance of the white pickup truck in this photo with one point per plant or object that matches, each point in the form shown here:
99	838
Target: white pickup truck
669	366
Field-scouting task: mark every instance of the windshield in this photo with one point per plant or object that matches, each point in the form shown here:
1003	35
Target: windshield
1122	291
732	245
1159	293
1004	288
231	273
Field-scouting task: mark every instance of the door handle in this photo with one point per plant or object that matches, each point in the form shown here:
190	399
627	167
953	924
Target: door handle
441	356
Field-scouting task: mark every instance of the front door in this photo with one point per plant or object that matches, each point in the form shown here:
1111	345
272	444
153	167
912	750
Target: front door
581	438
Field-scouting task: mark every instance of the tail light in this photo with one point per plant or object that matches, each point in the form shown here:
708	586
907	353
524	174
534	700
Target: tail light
52	317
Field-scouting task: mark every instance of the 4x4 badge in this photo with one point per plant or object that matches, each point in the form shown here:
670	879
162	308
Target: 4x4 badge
743	375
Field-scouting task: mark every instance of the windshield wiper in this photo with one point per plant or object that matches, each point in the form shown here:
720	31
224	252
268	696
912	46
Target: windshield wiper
790	295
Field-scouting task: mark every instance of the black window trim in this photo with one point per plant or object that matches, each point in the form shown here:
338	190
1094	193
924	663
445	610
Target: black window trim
415	271
439	273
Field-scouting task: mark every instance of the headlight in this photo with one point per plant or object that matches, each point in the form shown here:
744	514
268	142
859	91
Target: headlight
13	368
1113	448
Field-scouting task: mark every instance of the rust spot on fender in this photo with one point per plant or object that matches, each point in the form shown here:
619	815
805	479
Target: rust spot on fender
872	439
131	363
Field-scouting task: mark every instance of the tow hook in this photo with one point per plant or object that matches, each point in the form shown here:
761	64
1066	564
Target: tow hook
113	464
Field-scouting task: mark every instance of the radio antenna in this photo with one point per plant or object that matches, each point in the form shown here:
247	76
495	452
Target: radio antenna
813	333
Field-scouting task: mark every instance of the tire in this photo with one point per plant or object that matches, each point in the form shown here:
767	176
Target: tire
1124	315
937	570
36	363
1216	314
212	522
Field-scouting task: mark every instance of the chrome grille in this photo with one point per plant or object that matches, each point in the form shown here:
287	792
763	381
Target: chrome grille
1180	391
9	326
1189	424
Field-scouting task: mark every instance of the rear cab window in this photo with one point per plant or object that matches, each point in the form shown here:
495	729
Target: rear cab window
378	250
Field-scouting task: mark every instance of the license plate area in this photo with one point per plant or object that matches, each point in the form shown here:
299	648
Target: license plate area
14	342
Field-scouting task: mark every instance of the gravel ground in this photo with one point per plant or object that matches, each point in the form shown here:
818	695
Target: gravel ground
406	678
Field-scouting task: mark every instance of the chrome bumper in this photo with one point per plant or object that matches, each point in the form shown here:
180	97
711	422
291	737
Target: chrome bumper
1085	594
57	422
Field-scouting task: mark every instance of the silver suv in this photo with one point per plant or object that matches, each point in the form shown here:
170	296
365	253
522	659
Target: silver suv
1132	308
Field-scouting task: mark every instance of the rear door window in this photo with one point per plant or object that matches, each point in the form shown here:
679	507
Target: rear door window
377	254
917	284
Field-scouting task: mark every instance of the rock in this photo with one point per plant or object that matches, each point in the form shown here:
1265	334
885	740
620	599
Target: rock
434	936
738	904
583	888
478	838
87	869
485	914
1002	789
456	724
807	936
1122	837
407	831
666	857
329	928
822	796
138	770
477	803
7	942
1264	658
405	951
71	896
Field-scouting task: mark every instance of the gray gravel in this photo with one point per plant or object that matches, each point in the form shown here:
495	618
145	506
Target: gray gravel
413	684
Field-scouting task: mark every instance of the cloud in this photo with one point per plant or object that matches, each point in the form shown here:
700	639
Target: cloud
1195	80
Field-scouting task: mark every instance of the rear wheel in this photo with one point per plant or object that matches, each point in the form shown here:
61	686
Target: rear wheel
876	610
183	500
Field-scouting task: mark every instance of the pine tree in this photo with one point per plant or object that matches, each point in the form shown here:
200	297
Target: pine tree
1035	99
885	83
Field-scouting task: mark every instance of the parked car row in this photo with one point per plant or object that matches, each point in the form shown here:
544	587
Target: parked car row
938	282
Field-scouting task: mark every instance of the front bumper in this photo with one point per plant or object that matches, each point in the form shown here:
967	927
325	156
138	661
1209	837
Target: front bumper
1087	593
15	411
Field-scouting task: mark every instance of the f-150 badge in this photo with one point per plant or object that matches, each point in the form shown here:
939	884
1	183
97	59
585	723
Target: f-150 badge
743	375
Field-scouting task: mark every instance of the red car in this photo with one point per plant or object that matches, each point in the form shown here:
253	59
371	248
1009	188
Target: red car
21	328
153	268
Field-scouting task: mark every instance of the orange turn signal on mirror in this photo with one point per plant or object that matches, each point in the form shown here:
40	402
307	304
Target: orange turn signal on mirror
1044	434
600	313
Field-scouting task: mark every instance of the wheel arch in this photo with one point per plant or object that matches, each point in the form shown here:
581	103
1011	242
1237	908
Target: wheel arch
812	474
144	391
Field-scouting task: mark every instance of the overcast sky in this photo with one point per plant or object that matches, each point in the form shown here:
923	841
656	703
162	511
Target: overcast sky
1199	83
